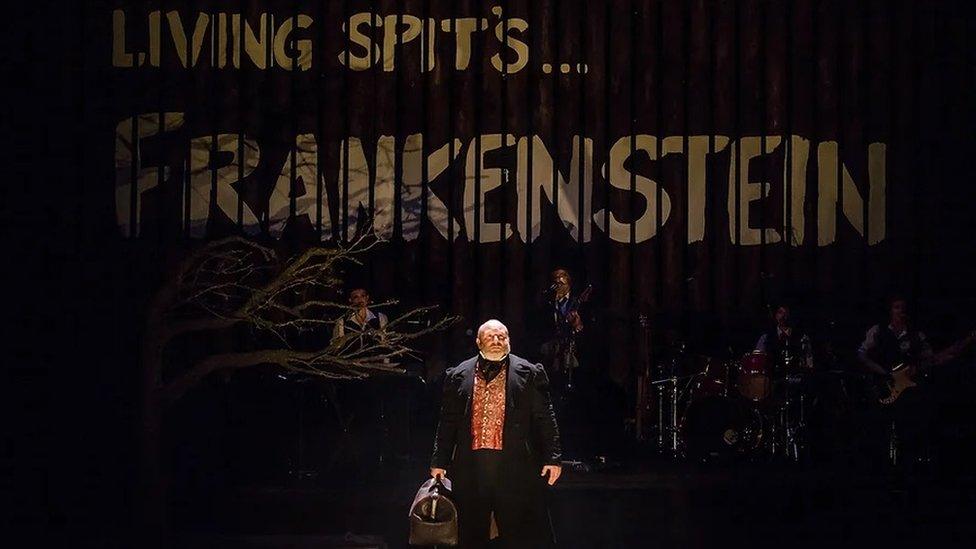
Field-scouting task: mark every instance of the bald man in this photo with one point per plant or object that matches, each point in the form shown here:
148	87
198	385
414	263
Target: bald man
498	441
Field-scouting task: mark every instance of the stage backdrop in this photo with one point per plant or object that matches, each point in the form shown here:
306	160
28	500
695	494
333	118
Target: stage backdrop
693	160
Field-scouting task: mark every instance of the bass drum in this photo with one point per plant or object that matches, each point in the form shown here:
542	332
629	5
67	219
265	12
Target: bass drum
717	428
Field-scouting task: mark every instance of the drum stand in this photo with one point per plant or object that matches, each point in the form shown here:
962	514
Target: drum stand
796	434
788	428
660	418
667	415
668	429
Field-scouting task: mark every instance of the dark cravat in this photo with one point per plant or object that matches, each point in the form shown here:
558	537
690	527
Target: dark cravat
488	369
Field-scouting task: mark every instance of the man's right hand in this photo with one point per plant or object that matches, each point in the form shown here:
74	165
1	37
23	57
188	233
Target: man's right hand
438	472
575	321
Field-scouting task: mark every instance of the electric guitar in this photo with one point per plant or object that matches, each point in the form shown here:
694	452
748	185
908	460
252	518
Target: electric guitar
573	307
903	375
902	378
567	341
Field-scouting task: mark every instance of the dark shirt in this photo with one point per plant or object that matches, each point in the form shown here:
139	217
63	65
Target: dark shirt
781	344
885	348
488	369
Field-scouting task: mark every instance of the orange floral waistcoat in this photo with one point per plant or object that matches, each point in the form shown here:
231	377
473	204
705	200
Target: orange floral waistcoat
488	412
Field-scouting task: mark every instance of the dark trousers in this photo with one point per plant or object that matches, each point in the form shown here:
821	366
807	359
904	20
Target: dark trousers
491	485
904	426
912	417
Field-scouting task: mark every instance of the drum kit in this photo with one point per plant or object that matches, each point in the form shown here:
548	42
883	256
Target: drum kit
753	406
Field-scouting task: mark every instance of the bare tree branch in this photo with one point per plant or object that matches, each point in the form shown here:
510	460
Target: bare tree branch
237	281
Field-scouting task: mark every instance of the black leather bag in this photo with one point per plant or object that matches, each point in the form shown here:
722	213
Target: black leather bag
433	515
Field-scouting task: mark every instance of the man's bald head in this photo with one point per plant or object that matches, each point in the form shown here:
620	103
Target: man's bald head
492	340
492	324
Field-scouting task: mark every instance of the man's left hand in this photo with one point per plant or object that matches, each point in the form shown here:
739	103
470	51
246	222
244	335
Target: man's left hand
554	471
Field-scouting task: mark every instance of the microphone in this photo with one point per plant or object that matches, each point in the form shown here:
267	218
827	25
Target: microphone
551	289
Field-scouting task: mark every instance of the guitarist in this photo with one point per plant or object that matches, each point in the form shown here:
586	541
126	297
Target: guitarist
899	345
564	328
886	347
561	327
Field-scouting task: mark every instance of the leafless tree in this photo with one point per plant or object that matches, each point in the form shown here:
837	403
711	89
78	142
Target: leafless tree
236	281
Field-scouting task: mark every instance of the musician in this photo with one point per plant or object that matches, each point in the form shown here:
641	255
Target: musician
898	343
885	347
589	405
788	346
361	318
560	325
497	439
378	409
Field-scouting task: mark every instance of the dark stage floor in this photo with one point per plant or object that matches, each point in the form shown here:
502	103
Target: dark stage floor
651	504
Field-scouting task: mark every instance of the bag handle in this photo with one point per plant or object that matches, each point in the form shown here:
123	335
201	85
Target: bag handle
439	485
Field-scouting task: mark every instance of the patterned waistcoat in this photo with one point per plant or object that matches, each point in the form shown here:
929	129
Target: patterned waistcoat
488	412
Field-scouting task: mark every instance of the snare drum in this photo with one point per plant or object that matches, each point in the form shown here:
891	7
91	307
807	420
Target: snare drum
754	380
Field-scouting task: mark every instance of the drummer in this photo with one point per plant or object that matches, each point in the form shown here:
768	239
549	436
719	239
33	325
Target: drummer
787	346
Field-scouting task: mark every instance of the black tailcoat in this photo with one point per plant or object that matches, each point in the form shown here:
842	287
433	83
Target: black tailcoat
530	439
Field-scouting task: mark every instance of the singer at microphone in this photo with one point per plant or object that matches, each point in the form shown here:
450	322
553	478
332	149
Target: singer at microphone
568	335
558	323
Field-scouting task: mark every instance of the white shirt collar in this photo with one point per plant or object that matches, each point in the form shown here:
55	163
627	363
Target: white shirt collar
897	334
369	316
